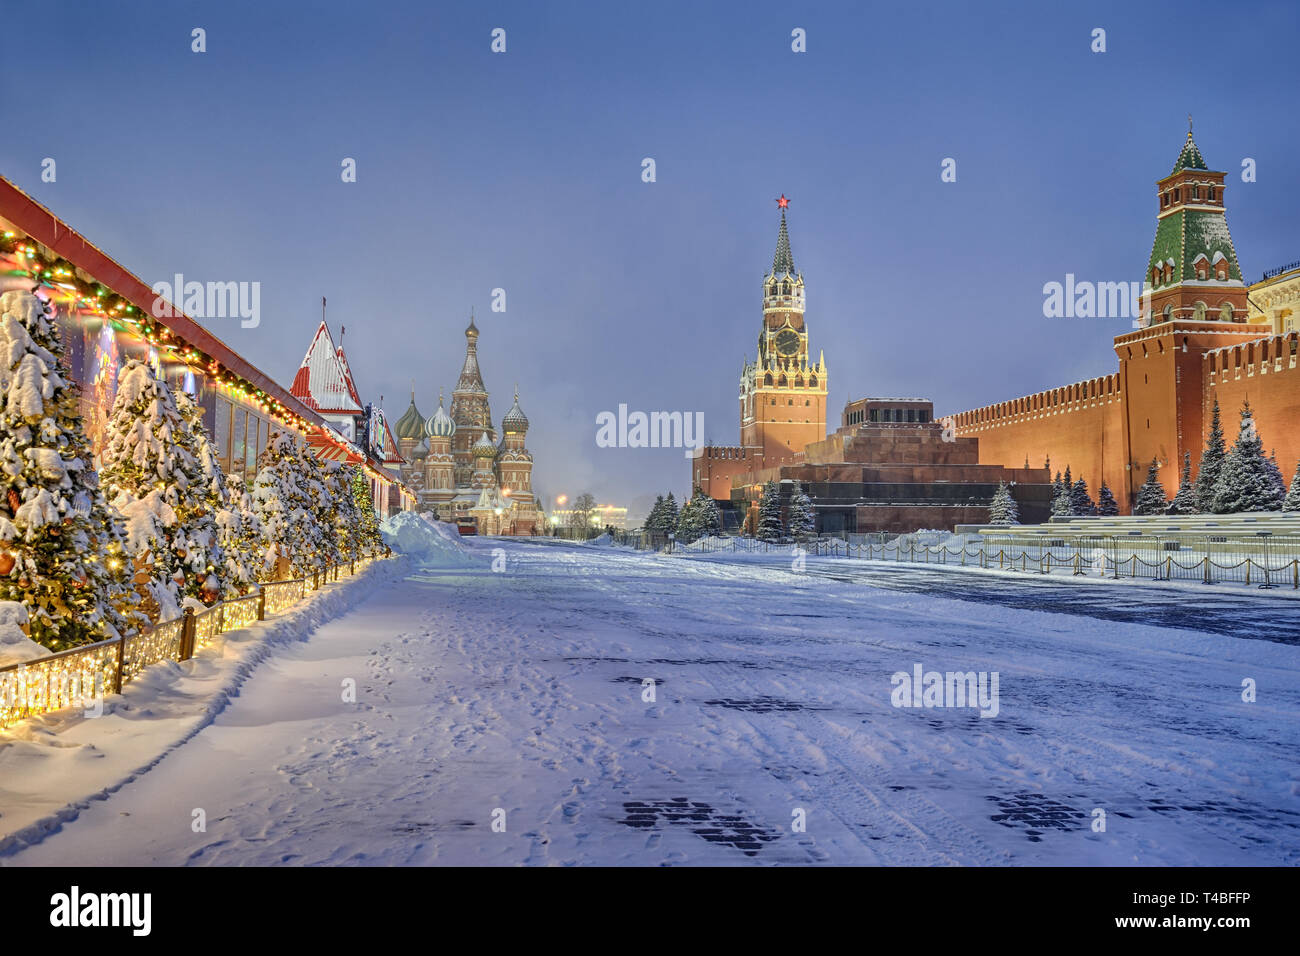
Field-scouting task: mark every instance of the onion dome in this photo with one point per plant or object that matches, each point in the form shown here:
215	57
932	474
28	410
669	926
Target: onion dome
411	424
421	451
440	424
515	420
483	448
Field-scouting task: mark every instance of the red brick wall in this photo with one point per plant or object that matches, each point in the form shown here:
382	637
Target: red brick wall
1079	425
1265	372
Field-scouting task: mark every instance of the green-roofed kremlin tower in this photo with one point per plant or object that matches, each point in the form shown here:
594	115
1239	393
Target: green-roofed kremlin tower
1197	304
1193	271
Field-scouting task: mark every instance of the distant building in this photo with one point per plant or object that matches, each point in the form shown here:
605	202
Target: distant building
602	516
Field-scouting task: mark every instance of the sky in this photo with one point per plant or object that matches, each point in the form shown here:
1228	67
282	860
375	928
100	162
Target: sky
522	171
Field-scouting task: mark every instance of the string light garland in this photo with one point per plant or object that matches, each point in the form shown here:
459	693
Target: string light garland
97	299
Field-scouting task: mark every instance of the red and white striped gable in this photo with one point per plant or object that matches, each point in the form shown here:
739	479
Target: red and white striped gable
323	382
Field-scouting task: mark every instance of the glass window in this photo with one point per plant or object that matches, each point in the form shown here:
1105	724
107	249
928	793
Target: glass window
250	455
222	433
237	440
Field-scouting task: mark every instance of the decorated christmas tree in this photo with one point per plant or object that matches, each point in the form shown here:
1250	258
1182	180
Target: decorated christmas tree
1184	502
284	499
1004	509
150	461
1207	475
60	550
1245	481
204	511
241	536
369	539
347	519
1151	498
770	527
1106	503
803	517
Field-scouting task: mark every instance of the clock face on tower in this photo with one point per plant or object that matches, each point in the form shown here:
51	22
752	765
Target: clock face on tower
787	342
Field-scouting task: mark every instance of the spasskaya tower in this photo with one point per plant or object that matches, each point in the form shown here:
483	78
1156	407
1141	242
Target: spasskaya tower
782	393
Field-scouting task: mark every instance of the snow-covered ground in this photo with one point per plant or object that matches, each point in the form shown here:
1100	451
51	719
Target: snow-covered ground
518	695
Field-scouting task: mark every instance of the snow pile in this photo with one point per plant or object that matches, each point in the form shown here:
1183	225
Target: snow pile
15	646
429	543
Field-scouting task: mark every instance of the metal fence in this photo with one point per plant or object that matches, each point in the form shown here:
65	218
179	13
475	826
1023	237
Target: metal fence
76	676
1263	560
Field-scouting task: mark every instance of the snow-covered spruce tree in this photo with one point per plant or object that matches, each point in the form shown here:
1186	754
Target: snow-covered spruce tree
370	538
711	515
1245	482
803	517
769	513
689	524
149	448
1081	503
1292	500
60	550
1207	475
1184	502
1106	503
1151	499
1004	509
670	514
1063	500
1275	472
283	499
655	517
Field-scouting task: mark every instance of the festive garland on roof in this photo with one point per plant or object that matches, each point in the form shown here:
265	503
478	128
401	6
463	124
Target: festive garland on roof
58	273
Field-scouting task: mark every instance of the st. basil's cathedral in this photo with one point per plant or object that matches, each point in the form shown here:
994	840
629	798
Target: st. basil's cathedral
460	467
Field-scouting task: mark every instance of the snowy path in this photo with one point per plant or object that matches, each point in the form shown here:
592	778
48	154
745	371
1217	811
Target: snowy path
522	691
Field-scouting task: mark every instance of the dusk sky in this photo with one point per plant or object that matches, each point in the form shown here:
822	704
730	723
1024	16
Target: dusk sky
522	171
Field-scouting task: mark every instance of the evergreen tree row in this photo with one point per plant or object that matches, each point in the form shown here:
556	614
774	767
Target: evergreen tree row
98	555
699	518
1229	481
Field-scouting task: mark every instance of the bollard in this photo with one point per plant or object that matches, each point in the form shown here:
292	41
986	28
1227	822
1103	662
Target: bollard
121	661
187	635
261	604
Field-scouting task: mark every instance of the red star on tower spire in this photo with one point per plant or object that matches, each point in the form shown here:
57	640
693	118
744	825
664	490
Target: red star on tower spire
783	202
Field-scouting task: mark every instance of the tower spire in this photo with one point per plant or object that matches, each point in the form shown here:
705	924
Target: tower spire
783	261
